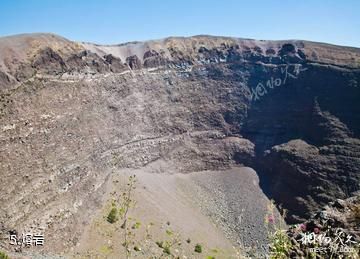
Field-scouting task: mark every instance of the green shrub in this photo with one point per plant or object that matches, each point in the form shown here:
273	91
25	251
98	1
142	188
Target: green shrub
112	217
198	248
3	255
136	225
280	244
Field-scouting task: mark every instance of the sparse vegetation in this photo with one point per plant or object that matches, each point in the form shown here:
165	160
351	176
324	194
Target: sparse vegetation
121	206
174	239
136	225
106	250
112	216
3	255
280	243
198	248
127	202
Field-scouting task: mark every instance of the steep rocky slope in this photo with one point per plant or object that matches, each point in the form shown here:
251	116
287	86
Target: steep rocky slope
72	113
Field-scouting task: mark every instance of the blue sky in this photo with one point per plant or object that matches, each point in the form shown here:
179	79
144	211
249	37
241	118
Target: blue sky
111	21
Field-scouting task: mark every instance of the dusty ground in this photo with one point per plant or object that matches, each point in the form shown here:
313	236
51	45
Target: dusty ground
208	208
233	200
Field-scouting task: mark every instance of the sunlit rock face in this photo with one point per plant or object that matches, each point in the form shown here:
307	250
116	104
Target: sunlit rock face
71	112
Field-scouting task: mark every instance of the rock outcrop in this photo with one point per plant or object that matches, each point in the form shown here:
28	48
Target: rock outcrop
134	62
48	61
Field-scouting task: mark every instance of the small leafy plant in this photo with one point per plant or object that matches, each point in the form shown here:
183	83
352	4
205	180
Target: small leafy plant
198	248
112	216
